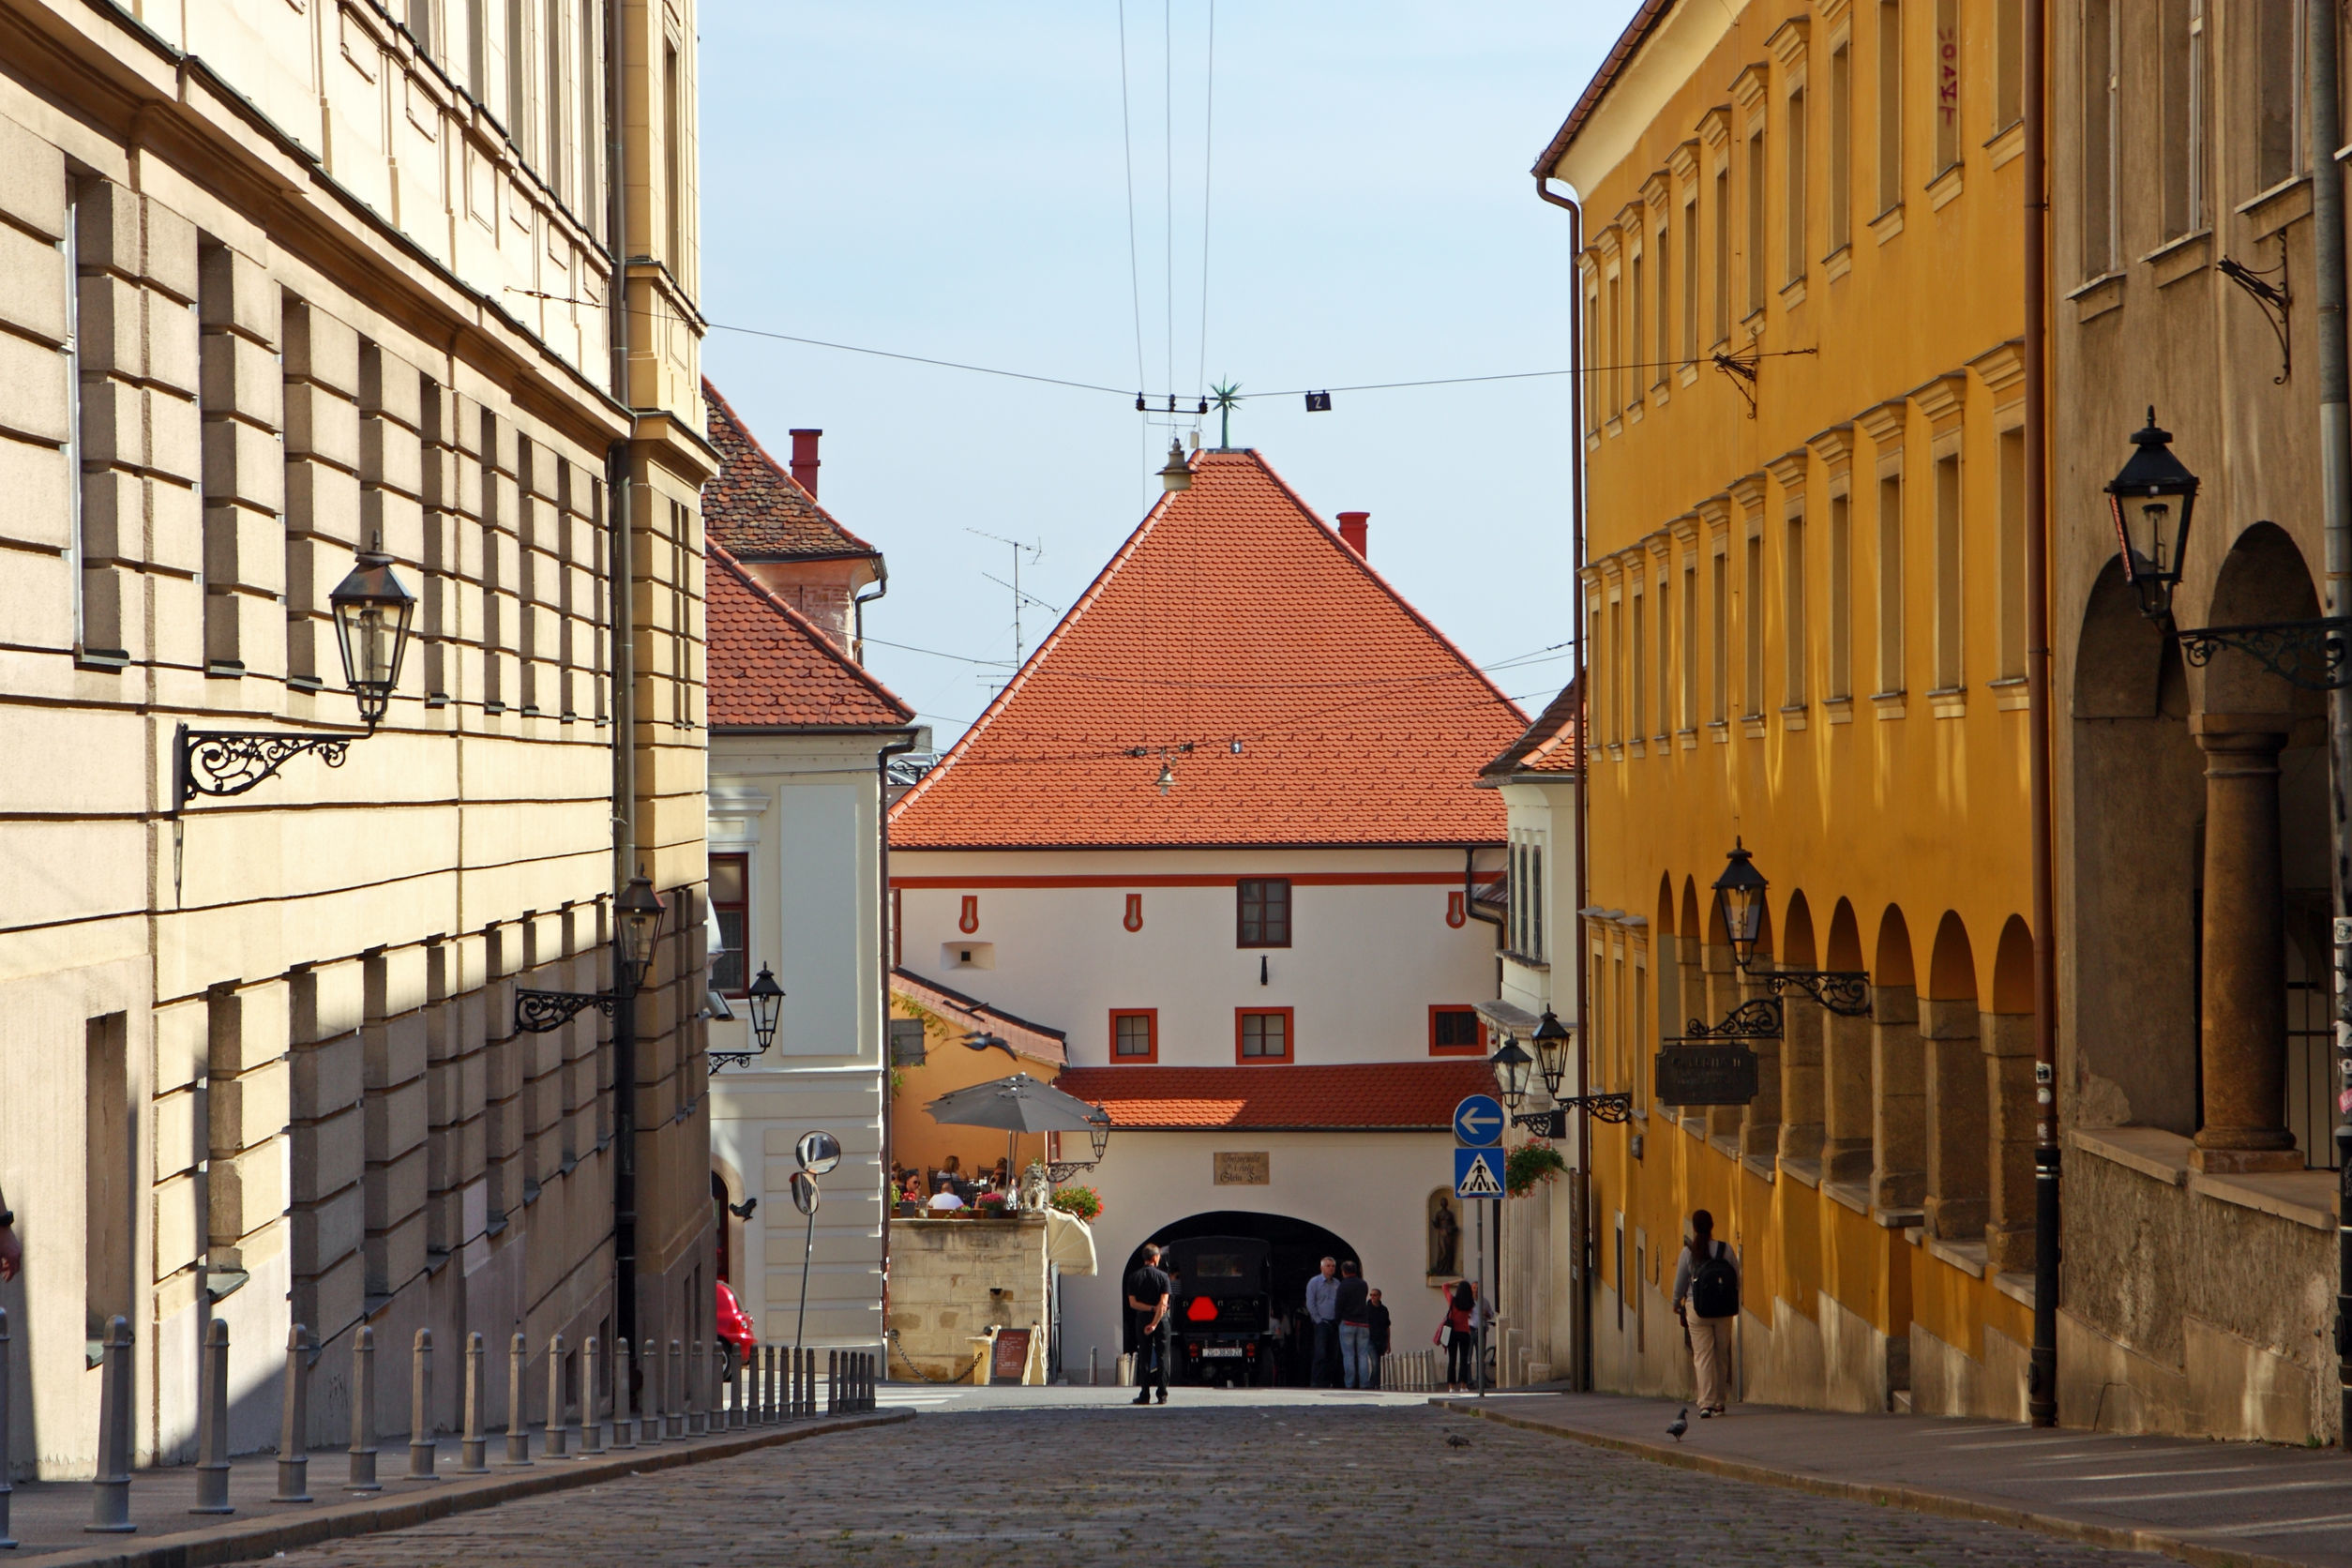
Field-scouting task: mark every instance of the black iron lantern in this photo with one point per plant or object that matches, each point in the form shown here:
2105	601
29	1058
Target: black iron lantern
373	613
1514	1069
641	909
2153	499
1098	1131
1551	1050
767	1000
1739	899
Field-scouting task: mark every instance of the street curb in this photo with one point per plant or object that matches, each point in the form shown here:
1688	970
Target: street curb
1884	1495
198	1548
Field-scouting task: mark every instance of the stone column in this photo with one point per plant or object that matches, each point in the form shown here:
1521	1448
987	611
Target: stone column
1801	1127
2008	1040
1898	1121
1759	1128
1847	1107
1958	1149
2243	1021
1723	993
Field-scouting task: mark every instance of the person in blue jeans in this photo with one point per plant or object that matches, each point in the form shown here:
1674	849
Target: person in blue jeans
1352	1305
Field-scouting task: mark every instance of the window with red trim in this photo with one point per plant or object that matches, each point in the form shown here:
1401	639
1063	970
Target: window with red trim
1456	1032
1134	1035
731	900
1263	1034
1263	912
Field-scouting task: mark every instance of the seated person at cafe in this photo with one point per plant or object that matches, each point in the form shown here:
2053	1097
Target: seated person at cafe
945	1201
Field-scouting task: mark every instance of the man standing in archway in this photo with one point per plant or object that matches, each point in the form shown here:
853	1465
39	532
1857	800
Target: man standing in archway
1146	1298
1323	1315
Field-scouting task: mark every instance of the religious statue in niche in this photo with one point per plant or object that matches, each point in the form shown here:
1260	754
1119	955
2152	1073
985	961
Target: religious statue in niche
1445	1233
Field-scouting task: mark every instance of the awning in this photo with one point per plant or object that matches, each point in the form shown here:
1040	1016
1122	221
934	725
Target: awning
1069	1243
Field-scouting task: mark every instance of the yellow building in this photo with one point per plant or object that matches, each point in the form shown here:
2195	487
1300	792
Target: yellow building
941	1041
1804	593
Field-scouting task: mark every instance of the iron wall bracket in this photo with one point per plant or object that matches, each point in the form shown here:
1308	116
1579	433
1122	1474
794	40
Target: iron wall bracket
2307	654
540	1012
226	763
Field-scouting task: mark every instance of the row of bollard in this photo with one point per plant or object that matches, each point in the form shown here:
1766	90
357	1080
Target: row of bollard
773	1384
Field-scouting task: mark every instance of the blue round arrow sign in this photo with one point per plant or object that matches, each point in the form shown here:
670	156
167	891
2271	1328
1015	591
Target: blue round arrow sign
1478	1122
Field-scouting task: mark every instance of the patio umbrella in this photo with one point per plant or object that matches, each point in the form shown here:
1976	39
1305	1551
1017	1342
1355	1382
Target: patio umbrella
1018	1104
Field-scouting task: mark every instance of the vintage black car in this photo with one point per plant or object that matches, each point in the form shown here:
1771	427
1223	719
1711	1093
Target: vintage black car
1223	1310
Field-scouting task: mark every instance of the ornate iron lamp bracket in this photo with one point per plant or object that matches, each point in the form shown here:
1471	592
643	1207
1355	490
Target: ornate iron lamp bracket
1062	1170
2273	299
2311	655
722	1060
221	763
538	1012
1553	1123
1843	991
1756	1019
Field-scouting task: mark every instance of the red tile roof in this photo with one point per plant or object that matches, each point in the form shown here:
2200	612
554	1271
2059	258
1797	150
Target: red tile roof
771	668
1390	1095
1318	707
756	510
1548	745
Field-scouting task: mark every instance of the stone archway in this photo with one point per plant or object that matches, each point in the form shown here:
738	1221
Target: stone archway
1958	1124
1845	1066
1297	1248
1898	1176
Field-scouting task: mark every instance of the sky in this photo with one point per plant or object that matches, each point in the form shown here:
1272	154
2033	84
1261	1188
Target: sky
952	181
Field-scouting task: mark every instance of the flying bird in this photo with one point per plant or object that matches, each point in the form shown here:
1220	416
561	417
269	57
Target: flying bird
1679	1425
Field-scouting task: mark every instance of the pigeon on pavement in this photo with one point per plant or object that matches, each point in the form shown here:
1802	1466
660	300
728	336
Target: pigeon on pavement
1679	1425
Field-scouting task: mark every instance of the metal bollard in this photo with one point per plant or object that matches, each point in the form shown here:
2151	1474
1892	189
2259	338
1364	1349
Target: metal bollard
422	1451
648	1412
673	1425
591	1418
767	1385
474	1449
735	1412
517	1426
623	1405
1093	1366
6	1540
293	1423
212	1422
109	1493
833	1382
363	1412
696	1422
556	1429
808	1382
714	1385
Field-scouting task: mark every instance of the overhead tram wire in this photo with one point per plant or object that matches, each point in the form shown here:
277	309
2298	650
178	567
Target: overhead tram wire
1208	169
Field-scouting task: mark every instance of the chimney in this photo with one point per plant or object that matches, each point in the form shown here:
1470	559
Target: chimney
1351	529
805	459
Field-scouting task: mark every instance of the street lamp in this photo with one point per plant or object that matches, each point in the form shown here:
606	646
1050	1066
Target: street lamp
1177	476
767	1000
639	911
372	611
640	908
1739	899
2142	497
1513	1068
1551	1050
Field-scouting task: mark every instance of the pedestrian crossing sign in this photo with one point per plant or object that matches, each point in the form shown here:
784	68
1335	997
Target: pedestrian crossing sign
1478	1174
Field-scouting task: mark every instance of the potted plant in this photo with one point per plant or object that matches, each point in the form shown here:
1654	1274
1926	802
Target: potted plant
1528	1166
991	1206
1081	1203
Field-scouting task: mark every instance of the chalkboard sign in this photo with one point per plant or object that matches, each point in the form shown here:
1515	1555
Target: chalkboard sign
1010	1358
1706	1076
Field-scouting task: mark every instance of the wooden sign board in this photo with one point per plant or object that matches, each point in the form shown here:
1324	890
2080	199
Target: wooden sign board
1010	1358
1706	1076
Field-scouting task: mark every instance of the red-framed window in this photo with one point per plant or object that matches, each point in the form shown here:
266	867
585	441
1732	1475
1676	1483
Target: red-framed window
1263	913
731	900
1456	1032
1134	1035
1264	1034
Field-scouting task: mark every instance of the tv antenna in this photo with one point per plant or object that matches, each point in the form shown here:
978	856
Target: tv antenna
1020	596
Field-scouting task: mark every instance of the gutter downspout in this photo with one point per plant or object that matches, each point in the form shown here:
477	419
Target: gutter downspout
620	526
1470	891
1583	1227
2335	486
881	828
857	613
2042	1364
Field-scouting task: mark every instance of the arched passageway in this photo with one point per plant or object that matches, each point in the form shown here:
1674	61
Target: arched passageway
1294	1250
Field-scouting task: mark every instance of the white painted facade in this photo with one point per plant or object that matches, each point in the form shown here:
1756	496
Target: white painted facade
806	809
1379	937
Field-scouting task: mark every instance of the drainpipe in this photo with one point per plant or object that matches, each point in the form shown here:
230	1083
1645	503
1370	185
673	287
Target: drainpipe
2335	485
882	826
2042	1365
1583	1302
1469	893
857	613
617	477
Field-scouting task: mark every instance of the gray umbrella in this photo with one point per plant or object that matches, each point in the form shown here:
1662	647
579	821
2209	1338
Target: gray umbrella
1018	1104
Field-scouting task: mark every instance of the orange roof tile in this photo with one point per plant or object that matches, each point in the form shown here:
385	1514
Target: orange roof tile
771	669
1391	1095
1547	745
758	510
1302	700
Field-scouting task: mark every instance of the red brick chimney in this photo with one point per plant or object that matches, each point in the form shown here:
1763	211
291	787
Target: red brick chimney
804	458
1351	529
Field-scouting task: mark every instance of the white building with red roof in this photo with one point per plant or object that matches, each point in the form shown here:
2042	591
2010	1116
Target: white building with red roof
1223	829
800	736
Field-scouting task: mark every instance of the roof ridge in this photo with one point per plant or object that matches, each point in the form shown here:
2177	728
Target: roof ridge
976	1005
736	421
807	628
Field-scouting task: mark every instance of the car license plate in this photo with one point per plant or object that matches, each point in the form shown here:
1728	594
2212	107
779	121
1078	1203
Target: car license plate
1222	1350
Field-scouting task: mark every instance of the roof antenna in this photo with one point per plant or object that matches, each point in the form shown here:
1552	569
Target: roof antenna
1034	553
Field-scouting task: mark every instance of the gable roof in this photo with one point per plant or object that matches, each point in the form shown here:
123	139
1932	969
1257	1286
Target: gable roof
771	669
1031	1040
1300	701
756	510
1644	22
1329	1097
1547	745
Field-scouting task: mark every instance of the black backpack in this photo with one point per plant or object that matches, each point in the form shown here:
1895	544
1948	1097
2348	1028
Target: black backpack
1715	1285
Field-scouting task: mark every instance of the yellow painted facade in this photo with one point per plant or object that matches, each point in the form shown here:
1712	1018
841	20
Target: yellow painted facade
919	1143
1805	628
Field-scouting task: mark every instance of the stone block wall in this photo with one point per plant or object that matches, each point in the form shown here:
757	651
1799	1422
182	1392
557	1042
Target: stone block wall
951	1280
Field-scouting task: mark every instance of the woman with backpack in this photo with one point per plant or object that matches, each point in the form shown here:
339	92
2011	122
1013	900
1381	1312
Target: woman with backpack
1458	1337
1707	1298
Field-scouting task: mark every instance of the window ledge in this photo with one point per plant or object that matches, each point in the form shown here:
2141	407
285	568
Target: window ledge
1949	702
1752	726
1658	394
1592	440
1967	1257
1838	710
1636	748
1614	425
1793	716
1689	739
1616	751
1633	411
1944	188
224	669
1887	224
2285	203
1719	731
2007	142
1792	294
2010	693
1689	373
110	660
2096	296
1838	263
2180	258
1890	704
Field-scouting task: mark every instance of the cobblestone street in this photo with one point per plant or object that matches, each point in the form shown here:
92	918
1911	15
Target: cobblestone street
1237	1484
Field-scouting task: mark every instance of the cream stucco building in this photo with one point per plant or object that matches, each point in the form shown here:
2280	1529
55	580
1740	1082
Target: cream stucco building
276	280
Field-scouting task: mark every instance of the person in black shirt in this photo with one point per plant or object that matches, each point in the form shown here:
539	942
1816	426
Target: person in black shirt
1355	1328
1146	1298
1376	1312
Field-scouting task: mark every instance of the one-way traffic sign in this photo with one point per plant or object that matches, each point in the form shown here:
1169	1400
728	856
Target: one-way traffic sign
1477	1173
1478	1122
